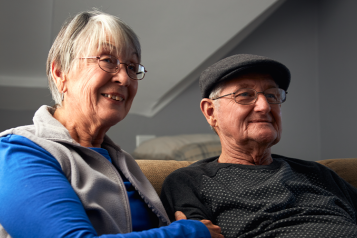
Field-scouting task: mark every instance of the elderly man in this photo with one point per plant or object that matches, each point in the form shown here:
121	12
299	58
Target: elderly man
248	191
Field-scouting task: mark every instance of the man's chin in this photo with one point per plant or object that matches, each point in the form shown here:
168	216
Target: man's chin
266	138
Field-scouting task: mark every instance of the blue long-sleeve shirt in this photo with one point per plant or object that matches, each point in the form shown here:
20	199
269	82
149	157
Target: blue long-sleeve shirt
141	215
38	201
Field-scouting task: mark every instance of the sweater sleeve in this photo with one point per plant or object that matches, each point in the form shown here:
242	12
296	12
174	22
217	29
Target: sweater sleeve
181	192
340	188
38	201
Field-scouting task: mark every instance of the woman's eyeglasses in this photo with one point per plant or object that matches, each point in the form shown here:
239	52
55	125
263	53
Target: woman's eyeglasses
110	64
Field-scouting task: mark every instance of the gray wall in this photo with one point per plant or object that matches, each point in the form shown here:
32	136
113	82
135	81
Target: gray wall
287	36
337	78
315	40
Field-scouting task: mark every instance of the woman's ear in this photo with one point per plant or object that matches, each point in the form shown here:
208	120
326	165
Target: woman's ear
208	109
59	77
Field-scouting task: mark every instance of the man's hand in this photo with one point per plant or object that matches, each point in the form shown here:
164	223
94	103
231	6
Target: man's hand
180	216
213	229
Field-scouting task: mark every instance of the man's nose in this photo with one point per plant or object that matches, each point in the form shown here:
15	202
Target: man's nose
261	104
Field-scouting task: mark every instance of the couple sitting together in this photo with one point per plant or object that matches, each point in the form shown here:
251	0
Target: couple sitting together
63	177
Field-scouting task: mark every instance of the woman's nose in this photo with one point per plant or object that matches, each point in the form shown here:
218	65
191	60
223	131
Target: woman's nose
121	76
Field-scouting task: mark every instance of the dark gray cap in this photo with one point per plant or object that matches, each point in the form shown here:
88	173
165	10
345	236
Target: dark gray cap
236	65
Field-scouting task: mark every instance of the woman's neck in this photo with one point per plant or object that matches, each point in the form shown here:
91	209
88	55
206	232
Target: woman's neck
82	129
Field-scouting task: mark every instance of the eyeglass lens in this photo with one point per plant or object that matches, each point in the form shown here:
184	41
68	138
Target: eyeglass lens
248	96
111	64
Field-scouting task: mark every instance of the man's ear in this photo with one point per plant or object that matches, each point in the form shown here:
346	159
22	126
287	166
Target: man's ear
208	110
59	77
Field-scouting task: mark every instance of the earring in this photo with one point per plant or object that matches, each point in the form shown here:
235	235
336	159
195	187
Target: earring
62	96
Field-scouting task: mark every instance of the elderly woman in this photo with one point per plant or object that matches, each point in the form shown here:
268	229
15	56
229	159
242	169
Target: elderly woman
62	176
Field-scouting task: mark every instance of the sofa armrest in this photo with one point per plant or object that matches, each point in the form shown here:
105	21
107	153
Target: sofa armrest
345	168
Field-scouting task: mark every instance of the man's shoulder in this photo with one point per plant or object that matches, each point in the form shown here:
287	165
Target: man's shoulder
293	160
202	167
204	162
304	165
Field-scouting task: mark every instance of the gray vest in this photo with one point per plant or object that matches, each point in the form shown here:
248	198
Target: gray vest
92	176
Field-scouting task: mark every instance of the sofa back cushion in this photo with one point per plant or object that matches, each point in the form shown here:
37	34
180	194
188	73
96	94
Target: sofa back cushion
157	170
190	147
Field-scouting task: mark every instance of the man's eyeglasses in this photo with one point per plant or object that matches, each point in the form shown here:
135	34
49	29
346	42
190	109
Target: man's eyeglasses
110	64
247	96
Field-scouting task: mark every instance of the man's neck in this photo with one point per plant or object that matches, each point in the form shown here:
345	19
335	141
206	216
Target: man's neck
252	156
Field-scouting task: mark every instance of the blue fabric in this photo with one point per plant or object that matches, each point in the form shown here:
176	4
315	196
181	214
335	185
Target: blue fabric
38	201
142	217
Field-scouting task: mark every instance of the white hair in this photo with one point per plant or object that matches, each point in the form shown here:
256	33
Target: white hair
215	93
86	33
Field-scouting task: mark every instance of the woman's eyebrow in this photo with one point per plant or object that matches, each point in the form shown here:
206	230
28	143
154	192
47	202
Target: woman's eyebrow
108	46
136	58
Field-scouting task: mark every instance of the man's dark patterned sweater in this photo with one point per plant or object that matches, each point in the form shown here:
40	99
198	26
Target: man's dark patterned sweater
288	198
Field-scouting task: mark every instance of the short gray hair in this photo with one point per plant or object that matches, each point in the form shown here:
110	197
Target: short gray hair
215	93
81	35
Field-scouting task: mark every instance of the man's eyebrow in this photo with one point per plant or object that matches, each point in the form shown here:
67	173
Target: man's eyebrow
244	85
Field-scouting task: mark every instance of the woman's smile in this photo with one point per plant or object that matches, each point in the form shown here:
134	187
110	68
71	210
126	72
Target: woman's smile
113	96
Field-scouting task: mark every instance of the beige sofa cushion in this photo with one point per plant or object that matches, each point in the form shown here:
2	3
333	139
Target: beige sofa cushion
177	147
157	170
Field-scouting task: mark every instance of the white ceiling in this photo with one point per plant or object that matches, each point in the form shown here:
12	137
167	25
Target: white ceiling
179	39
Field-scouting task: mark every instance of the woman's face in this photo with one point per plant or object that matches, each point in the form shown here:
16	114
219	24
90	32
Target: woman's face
100	97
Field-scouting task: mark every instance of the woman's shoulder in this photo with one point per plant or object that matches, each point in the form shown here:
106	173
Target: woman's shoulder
19	144
28	129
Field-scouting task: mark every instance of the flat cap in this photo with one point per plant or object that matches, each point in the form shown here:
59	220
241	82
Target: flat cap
236	65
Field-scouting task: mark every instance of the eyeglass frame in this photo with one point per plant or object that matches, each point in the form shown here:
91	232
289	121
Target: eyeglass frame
256	97
126	65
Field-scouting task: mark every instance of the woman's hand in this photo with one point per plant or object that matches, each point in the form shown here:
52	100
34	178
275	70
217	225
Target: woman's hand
213	229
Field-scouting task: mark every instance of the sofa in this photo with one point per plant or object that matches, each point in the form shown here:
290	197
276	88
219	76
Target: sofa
158	157
157	170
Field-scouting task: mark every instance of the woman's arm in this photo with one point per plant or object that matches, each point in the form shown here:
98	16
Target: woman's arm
38	201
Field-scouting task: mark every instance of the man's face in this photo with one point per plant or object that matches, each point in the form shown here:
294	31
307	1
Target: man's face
258	123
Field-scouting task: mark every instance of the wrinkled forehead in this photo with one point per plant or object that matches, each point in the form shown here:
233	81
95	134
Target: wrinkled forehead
251	80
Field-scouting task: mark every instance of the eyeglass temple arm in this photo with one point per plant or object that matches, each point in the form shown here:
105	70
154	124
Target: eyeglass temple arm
223	96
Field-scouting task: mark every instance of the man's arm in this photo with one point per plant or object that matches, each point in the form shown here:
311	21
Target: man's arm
346	191
181	191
